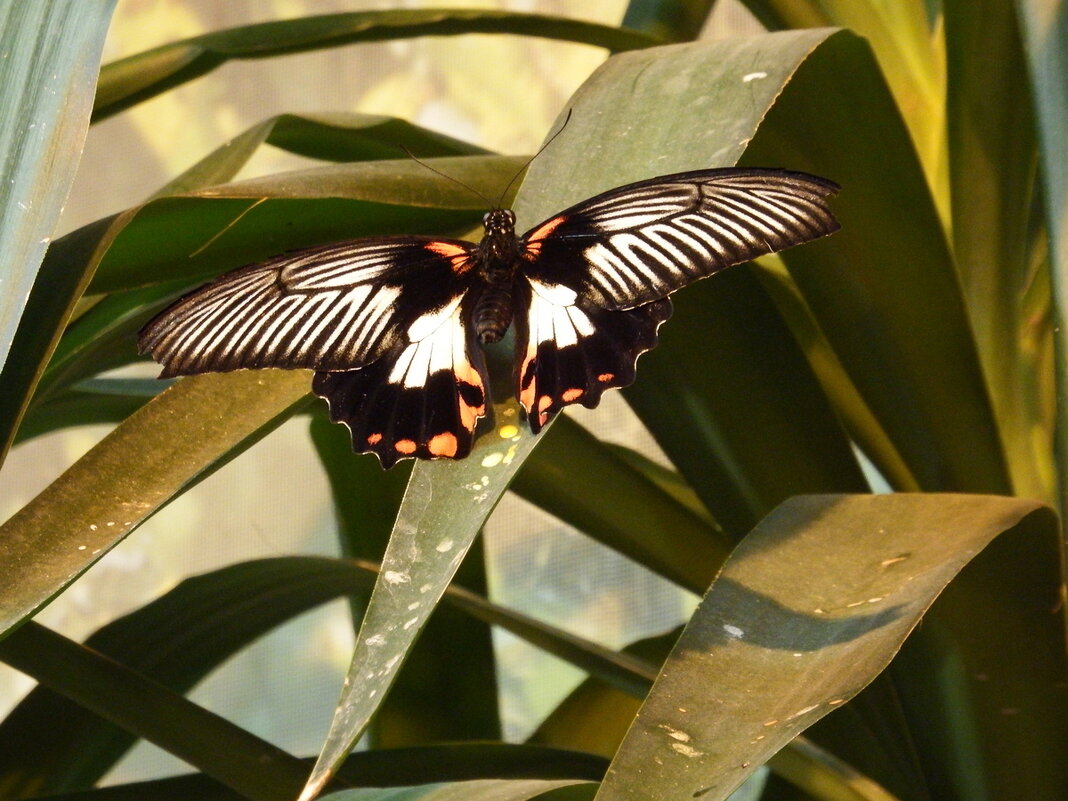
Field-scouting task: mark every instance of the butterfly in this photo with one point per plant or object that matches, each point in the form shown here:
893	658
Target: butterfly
392	326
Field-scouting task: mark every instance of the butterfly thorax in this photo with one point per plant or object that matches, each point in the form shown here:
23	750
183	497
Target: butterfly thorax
497	256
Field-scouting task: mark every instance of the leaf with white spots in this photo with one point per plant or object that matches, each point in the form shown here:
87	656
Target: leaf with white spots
809	608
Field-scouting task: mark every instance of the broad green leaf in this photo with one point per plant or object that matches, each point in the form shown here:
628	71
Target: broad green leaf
908	49
478	790
992	165
447	503
810	607
885	291
188	431
47	76
240	760
727	393
596	716
1044	24
135	78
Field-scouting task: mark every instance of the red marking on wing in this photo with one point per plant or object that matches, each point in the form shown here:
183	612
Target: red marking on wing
405	446
457	254
444	444
533	242
374	439
571	395
606	377
545	229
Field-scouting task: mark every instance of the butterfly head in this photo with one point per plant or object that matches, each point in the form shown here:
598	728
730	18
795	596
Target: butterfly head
498	222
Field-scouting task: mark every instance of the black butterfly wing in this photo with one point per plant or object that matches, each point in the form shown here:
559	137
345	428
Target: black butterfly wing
596	276
641	242
382	321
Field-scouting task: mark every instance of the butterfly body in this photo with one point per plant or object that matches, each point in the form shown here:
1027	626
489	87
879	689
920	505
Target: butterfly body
393	326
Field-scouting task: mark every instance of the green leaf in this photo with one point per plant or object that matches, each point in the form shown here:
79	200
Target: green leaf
906	46
992	165
447	503
181	436
1044	24
619	506
139	77
447	691
47	76
242	761
812	604
93	402
479	790
668	20
885	294
331	137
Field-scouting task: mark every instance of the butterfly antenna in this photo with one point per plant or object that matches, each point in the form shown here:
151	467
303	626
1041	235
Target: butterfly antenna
417	160
548	142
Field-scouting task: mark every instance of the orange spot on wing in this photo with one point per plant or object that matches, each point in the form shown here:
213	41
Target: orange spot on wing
458	255
573	394
544	402
528	392
374	439
405	446
604	378
545	229
446	249
443	444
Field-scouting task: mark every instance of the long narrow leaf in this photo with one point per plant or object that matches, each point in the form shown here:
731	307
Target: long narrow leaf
47	77
139	77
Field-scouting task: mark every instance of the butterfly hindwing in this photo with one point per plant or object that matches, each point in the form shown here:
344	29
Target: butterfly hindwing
423	398
640	242
333	307
569	350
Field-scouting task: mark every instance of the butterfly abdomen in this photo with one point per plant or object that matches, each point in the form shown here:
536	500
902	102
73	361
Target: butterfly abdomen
494	309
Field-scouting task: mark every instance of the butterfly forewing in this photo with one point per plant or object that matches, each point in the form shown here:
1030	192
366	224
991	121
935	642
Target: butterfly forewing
335	307
639	243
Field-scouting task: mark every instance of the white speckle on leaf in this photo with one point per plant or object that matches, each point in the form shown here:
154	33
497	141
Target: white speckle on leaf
801	712
413	606
754	76
444	546
686	750
675	734
426	588
409	623
93	527
733	631
395	577
836	701
392	661
876	600
492	459
375	639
